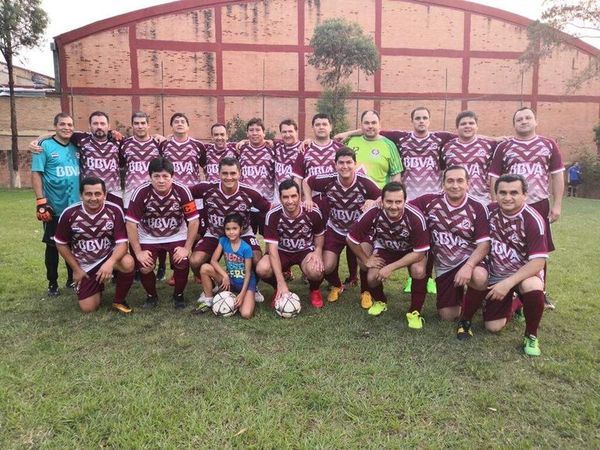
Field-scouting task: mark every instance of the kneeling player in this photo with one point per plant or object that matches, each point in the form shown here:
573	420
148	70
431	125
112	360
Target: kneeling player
238	276
92	239
518	254
156	222
388	238
294	236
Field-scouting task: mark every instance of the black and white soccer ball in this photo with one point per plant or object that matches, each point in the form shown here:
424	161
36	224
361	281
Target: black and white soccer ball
224	304
288	305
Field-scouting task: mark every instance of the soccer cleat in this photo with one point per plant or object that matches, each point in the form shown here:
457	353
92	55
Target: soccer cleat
415	321
288	276
201	308
531	346
547	303
151	302
171	281
123	308
70	284
350	282
334	293
258	297
160	273
178	301
205	299
431	286
53	290
519	316
463	330
316	300
408	285
377	308
366	301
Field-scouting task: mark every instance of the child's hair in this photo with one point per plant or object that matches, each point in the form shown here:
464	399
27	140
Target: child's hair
234	217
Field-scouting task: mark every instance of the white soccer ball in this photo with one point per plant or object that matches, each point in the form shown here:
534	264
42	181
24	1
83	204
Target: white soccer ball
288	305
224	304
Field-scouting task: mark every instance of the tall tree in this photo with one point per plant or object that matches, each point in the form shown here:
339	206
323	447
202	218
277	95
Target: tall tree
561	22
22	25
339	48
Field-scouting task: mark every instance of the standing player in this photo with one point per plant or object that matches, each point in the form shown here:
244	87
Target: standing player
91	237
156	221
389	238
99	155
519	251
538	159
55	182
347	194
287	150
136	152
218	149
257	162
376	156
294	236
473	153
220	199
459	242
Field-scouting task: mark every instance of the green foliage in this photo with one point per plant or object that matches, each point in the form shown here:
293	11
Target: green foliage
331	378
333	103
590	169
339	48
579	18
22	24
597	135
236	129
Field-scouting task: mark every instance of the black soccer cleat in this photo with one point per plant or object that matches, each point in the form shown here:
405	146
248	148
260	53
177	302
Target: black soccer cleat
151	302
178	301
463	330
53	290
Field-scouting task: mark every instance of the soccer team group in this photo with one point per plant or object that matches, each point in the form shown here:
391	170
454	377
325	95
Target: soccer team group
474	210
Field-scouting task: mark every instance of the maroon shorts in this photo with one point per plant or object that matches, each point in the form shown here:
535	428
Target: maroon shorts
291	259
390	256
208	244
334	242
167	247
449	295
498	309
543	207
90	286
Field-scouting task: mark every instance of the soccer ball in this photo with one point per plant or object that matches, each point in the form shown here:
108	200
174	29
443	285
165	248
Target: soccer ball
224	304
288	305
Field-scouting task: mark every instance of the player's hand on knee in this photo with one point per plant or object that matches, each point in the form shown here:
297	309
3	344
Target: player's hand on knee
463	276
375	262
498	291
105	272
78	275
180	254
145	258
225	283
43	210
384	273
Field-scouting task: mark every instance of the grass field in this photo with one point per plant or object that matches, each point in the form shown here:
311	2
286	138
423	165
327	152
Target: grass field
334	378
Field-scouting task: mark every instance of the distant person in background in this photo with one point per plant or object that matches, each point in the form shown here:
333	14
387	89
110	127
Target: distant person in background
574	179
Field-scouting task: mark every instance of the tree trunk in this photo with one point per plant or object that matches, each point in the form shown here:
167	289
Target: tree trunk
15	179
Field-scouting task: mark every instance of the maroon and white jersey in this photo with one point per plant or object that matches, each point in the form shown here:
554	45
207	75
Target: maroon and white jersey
161	219
136	156
516	240
99	159
217	205
455	230
344	203
293	234
535	159
316	160
187	158
475	156
422	160
285	157
91	237
408	233
258	169
214	156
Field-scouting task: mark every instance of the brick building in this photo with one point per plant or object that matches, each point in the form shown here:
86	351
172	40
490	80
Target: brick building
215	58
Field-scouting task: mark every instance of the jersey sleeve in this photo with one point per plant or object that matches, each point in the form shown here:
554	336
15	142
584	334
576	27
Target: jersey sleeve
298	167
188	205
420	233
201	153
445	137
536	236
422	202
482	225
135	211
318	227
259	202
556	162
373	191
120	230
394	136
359	231
317	183
62	234
199	189
77	137
496	166
270	235
38	160
396	166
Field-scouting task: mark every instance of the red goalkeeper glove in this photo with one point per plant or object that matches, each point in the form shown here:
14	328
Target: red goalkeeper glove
43	210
